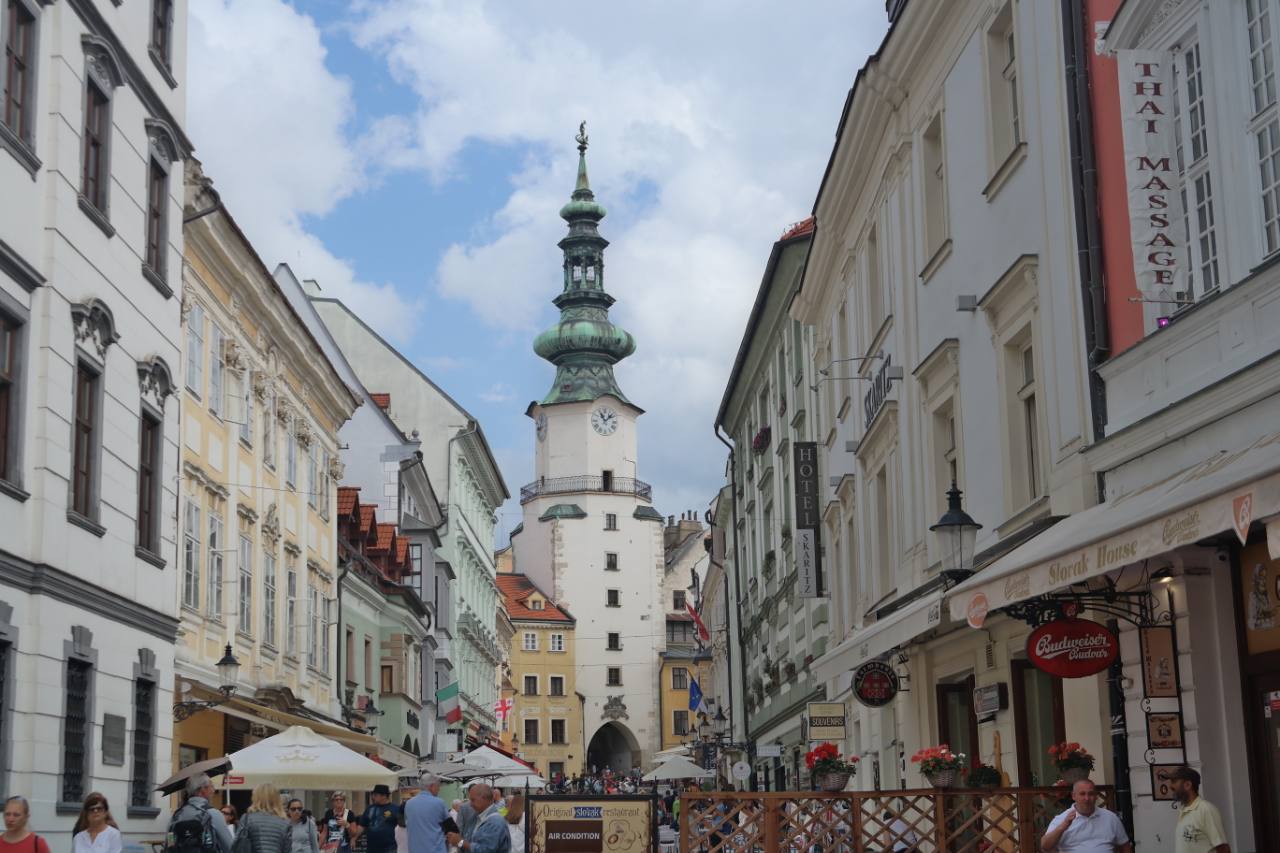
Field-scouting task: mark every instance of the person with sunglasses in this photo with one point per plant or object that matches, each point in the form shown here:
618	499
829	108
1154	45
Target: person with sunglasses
95	830
302	829
232	817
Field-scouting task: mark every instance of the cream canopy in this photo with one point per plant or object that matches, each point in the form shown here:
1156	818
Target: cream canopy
677	767
299	758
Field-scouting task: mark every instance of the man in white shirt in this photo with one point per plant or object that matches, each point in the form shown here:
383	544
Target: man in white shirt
1086	827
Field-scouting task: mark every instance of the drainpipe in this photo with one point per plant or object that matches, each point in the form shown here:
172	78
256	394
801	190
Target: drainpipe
737	604
340	680
1084	179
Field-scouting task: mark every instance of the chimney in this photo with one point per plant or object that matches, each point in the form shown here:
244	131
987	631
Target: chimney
689	525
670	534
382	401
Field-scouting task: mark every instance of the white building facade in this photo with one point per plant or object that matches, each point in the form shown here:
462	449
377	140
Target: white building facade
590	536
91	153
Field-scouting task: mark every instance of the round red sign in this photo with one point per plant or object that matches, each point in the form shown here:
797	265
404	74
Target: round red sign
1072	648
875	683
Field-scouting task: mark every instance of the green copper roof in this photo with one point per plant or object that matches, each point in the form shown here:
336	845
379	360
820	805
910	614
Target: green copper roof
647	513
584	346
563	511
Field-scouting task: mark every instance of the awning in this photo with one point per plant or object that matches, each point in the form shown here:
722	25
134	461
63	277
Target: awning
896	629
249	710
1225	492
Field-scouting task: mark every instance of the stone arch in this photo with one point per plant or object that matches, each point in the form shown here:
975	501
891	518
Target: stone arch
613	746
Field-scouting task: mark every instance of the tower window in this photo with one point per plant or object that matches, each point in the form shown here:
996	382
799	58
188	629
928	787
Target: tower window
615	642
610	521
613	599
610	562
615	676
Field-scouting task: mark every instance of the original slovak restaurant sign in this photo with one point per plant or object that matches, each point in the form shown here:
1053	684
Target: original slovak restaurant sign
1072	648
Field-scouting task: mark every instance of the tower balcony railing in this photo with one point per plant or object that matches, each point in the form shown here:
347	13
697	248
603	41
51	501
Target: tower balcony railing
586	483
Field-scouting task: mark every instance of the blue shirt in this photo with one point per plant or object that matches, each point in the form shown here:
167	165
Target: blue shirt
379	824
422	816
491	834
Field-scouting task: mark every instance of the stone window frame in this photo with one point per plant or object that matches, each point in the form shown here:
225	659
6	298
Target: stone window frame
144	669
8	689
79	648
163	152
155	385
938	377
1006	135
101	71
94	333
18	314
23	146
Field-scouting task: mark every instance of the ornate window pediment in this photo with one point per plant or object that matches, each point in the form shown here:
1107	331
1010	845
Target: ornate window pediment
155	381
101	62
95	327
162	142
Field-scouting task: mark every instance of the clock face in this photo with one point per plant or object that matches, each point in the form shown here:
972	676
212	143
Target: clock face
604	420
542	426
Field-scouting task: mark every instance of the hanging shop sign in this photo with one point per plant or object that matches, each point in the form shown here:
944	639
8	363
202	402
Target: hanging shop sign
873	400
1072	648
989	700
1159	663
807	580
805	458
875	683
1164	731
769	750
826	721
976	613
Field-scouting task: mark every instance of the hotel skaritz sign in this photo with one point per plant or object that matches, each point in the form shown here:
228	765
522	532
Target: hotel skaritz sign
1149	130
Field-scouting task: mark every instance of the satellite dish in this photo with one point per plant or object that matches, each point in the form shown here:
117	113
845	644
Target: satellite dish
741	770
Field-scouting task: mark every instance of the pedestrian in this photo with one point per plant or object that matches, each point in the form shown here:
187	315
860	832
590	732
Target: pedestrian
303	837
490	833
378	823
1086	827
903	839
426	818
264	827
515	821
95	830
1199	821
193	827
18	836
337	818
232	816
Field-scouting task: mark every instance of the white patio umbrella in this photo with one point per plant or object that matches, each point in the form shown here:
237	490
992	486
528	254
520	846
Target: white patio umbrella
299	758
489	759
513	783
677	767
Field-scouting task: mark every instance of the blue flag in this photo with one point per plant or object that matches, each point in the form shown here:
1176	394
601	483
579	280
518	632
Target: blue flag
695	695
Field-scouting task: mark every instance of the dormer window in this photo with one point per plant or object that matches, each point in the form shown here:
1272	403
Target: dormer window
535	604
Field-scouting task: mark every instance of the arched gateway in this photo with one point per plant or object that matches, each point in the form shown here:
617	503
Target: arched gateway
613	746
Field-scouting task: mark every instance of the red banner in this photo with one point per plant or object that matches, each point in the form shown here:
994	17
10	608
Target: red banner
1072	648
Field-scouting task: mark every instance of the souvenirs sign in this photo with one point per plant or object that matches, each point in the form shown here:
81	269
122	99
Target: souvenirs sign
826	721
875	684
1072	648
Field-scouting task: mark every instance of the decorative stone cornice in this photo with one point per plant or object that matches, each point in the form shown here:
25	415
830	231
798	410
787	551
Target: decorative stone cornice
271	525
320	571
234	355
101	62
337	469
263	385
94	324
155	382
292	548
247	512
199	475
284	410
302	430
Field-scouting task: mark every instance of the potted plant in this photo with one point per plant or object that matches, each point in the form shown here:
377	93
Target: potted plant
829	770
984	776
1074	761
760	443
939	764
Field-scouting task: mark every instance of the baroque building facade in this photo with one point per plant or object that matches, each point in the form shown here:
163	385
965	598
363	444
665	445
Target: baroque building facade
91	153
590	537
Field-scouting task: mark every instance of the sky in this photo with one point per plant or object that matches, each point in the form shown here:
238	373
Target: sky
412	157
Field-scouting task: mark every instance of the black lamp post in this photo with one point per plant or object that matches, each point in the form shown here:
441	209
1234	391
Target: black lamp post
956	532
228	673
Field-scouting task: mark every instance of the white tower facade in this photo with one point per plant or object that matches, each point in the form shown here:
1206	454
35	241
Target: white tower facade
590	535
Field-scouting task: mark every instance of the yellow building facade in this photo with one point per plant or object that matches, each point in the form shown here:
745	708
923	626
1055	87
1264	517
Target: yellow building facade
679	668
261	409
544	725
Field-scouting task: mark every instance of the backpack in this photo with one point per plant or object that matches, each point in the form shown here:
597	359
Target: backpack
191	834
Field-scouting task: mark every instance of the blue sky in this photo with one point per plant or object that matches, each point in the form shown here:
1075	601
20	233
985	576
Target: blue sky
411	156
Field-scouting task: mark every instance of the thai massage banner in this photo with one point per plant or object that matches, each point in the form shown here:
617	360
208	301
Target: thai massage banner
591	824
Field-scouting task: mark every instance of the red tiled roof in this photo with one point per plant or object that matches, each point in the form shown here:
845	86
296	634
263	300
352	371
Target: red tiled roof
367	517
386	533
516	590
382	401
347	498
402	550
799	229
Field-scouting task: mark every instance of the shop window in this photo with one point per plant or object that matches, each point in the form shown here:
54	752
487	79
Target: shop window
1039	722
957	723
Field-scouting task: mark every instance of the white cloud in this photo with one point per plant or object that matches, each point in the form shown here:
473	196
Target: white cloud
498	392
442	363
271	124
709	136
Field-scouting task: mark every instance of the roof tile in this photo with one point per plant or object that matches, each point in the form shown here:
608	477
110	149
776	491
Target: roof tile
516	590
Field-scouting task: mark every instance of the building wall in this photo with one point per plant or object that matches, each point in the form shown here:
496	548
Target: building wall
63	576
676	699
544	663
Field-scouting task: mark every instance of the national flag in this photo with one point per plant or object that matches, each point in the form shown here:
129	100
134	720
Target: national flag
703	634
502	708
448	699
695	696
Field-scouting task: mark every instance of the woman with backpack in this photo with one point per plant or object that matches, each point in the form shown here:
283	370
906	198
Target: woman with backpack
95	830
18	837
302	829
264	827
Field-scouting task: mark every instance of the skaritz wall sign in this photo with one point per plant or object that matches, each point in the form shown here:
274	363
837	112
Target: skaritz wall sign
1072	648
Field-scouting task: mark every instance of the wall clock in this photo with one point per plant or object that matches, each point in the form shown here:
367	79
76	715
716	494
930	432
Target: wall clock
604	420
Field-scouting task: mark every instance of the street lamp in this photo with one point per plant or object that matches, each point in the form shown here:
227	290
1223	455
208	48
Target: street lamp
721	723
228	674
956	532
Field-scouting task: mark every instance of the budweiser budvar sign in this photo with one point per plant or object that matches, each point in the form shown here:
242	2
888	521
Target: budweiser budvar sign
1072	648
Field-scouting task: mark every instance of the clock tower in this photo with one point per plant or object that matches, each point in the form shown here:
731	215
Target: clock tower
590	534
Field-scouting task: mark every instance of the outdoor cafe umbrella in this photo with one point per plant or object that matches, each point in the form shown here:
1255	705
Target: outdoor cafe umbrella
299	758
210	766
677	768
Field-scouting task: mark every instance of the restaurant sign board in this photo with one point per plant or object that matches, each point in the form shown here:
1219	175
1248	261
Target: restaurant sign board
1072	648
875	683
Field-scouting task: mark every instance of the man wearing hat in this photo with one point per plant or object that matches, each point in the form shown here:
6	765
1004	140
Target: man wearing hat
379	821
1199	821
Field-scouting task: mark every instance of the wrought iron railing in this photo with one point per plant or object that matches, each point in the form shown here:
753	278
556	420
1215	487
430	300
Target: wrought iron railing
586	483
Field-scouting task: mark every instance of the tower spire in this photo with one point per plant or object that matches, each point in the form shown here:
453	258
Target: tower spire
584	346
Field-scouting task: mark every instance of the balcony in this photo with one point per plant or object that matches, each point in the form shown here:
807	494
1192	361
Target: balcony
586	483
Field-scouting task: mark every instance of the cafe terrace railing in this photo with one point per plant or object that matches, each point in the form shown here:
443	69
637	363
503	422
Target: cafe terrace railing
991	820
586	483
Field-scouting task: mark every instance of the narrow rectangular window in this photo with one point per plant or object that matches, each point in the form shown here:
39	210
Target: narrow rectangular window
875	287
614	676
195	350
245	609
558	732
677	600
557	642
269	432
531	685
1262	72
614	641
144	713
291	617
1030	423
75	731
610	521
679	678
351	656
613	598
325	486
557	686
934	180
213	604
530	643
388	680
97	126
269	599
326	619
313	477
84	473
368	663
291	457
20	31
680	723
1002	85
530	732
157	204
313	626
610	562
191	555
217	371
246	409
162	29
150	451
10	377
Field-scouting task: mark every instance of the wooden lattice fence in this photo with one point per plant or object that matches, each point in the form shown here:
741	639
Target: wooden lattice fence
998	820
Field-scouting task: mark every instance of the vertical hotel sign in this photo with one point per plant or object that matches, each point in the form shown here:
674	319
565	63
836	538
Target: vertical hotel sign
1152	178
807	544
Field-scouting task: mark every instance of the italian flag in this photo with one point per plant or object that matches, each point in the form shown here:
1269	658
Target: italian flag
448	699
